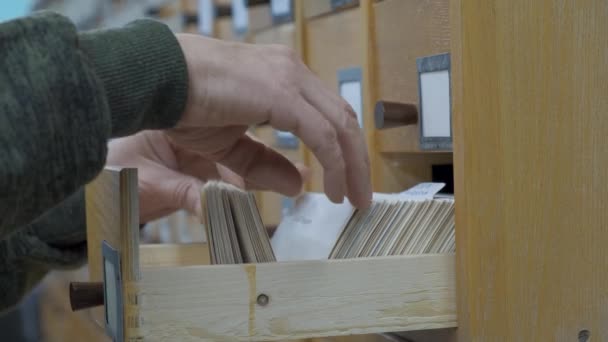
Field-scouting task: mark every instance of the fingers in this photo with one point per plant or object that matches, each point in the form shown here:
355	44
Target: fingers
321	137
262	167
231	177
196	165
304	172
343	118
181	190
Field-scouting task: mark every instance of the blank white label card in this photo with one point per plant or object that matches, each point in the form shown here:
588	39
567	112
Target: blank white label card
206	15
351	92
435	93
280	7
240	17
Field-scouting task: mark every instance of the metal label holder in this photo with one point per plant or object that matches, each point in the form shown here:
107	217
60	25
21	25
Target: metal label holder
112	292
353	74
336	4
429	64
283	17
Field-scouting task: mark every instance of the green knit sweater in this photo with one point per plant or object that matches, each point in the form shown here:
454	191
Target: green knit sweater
63	95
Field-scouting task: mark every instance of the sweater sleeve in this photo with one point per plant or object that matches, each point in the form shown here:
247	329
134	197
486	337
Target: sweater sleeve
63	94
55	240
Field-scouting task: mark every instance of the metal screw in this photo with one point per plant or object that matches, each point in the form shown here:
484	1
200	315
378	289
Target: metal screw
263	300
583	335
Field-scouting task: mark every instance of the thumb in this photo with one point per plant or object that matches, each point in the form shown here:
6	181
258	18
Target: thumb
182	191
262	166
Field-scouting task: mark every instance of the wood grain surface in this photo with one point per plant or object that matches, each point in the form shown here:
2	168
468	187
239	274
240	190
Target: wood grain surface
531	157
306	299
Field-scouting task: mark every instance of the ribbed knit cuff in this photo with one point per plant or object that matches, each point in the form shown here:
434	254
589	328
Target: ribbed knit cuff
143	72
25	260
56	239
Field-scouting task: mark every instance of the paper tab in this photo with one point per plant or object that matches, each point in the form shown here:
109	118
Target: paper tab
240	17
351	92
310	229
280	7
206	15
422	191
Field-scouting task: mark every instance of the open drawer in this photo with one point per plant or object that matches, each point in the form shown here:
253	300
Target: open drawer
159	293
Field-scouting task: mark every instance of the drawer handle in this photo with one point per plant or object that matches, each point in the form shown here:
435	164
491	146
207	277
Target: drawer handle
394	114
86	295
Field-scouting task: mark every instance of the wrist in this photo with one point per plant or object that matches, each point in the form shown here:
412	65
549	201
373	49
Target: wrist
196	94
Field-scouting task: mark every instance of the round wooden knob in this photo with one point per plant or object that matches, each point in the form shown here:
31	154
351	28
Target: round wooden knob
394	114
86	295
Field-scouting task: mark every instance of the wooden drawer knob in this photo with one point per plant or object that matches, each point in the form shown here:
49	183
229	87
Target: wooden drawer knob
86	295
394	114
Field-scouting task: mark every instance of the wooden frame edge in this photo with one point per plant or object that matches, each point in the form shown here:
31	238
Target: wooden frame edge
291	300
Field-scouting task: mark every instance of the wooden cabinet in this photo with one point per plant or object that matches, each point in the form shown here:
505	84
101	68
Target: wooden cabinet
529	106
530	86
397	33
404	31
332	43
283	34
271	204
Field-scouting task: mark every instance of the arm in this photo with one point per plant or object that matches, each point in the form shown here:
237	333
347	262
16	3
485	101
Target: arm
135	78
55	240
62	96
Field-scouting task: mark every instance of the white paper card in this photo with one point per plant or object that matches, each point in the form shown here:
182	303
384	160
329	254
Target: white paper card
239	15
425	191
280	7
419	192
435	93
206	17
351	92
286	135
310	230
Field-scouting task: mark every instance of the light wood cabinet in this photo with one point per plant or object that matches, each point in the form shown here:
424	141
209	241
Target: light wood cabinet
528	92
332	43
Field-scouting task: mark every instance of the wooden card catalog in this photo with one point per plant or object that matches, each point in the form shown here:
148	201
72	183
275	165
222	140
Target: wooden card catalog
182	298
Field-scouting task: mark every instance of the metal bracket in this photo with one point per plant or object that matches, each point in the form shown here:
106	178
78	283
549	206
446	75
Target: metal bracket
431	64
112	292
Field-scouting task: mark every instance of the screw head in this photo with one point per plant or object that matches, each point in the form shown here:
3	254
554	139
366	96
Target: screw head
263	300
583	335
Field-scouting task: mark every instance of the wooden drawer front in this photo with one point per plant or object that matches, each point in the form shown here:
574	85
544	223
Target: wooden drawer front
404	31
333	43
305	299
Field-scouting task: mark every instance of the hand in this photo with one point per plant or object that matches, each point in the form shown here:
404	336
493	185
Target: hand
170	177
234	85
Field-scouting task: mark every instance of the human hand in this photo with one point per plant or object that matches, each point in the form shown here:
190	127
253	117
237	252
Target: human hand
234	85
169	176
